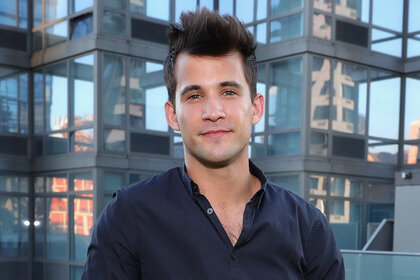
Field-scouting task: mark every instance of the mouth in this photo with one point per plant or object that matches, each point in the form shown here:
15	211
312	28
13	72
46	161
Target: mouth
217	133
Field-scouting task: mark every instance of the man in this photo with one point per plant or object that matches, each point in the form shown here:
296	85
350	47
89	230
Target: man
217	217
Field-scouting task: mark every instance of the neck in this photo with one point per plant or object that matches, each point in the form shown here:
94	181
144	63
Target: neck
227	184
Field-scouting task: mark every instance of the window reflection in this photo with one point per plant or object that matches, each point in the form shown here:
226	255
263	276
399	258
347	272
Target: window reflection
322	26
412	109
353	9
384	108
178	147
380	191
284	144
320	100
350	93
14	224
413	20
81	80
56	97
319	144
37	12
346	219
388	13
8	13
83	140
413	46
245	10
280	7
55	9
82	181
261	9
57	227
113	180
318	185
58	183
284	109
13	184
226	7
114	140
78	5
412	154
324	5
381	152
390	47
319	203
289	182
39	227
151	8
81	26
56	143
256	146
286	28
346	187
82	226
114	23
113	90
184	5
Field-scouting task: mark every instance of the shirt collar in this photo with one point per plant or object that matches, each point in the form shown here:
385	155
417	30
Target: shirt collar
192	187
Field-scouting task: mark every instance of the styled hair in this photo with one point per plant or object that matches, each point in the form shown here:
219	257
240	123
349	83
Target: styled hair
205	32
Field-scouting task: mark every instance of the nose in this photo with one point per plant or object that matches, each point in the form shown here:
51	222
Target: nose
213	109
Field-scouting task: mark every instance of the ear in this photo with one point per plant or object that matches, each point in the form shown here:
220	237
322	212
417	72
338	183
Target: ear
170	114
257	108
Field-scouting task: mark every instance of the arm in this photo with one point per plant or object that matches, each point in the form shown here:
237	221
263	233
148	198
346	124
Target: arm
110	253
322	256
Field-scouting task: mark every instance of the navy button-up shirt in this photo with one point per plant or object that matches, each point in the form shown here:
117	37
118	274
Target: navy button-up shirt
163	228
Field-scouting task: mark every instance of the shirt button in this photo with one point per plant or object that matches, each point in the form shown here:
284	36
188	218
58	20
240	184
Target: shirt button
195	188
233	255
210	211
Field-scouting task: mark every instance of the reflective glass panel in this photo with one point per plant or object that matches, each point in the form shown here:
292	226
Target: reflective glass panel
388	13
353	9
76	272
78	5
56	143
413	46
184	5
322	26
390	47
257	146
137	94
82	181
284	104
83	140
81	81
57	227
261	88
261	35
9	104
261	9
284	144
226	7
319	144
245	10
346	187
324	5
350	97
412	154
413	20
55	9
116	4
384	153
320	93
346	219
57	183
178	147
286	28
114	140
384	107
412	109
14	225
280	7
155	109
289	182
380	35
37	40
38	102
8	13
39	227
82	226
114	23
56	97
318	185
377	191
23	103
113	180
37	12
81	26
23	13
13	184
113	90
56	34
151	8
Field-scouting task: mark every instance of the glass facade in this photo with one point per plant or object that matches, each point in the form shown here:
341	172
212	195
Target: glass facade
82	113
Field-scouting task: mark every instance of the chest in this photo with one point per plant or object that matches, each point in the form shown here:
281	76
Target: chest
231	219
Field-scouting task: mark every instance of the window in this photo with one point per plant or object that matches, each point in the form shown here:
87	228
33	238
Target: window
286	28
81	26
150	8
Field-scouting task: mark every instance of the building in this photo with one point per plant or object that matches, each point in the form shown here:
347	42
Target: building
81	95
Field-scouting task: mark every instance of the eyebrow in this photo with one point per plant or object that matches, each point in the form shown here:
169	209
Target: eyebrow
222	84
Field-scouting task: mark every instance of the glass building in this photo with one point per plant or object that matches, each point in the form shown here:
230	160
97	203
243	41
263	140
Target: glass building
81	113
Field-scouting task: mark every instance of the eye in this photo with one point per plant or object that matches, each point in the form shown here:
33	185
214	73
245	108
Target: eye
229	93
194	96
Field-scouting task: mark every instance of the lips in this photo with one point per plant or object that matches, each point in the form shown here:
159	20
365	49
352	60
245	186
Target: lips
215	133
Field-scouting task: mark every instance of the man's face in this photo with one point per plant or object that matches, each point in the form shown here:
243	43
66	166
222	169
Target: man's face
214	110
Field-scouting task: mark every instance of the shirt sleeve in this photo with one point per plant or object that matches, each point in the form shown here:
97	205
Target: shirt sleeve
110	254
323	258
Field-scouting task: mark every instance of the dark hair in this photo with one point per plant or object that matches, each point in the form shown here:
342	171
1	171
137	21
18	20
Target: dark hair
208	33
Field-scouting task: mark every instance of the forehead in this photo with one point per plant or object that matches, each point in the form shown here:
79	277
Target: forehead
193	68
